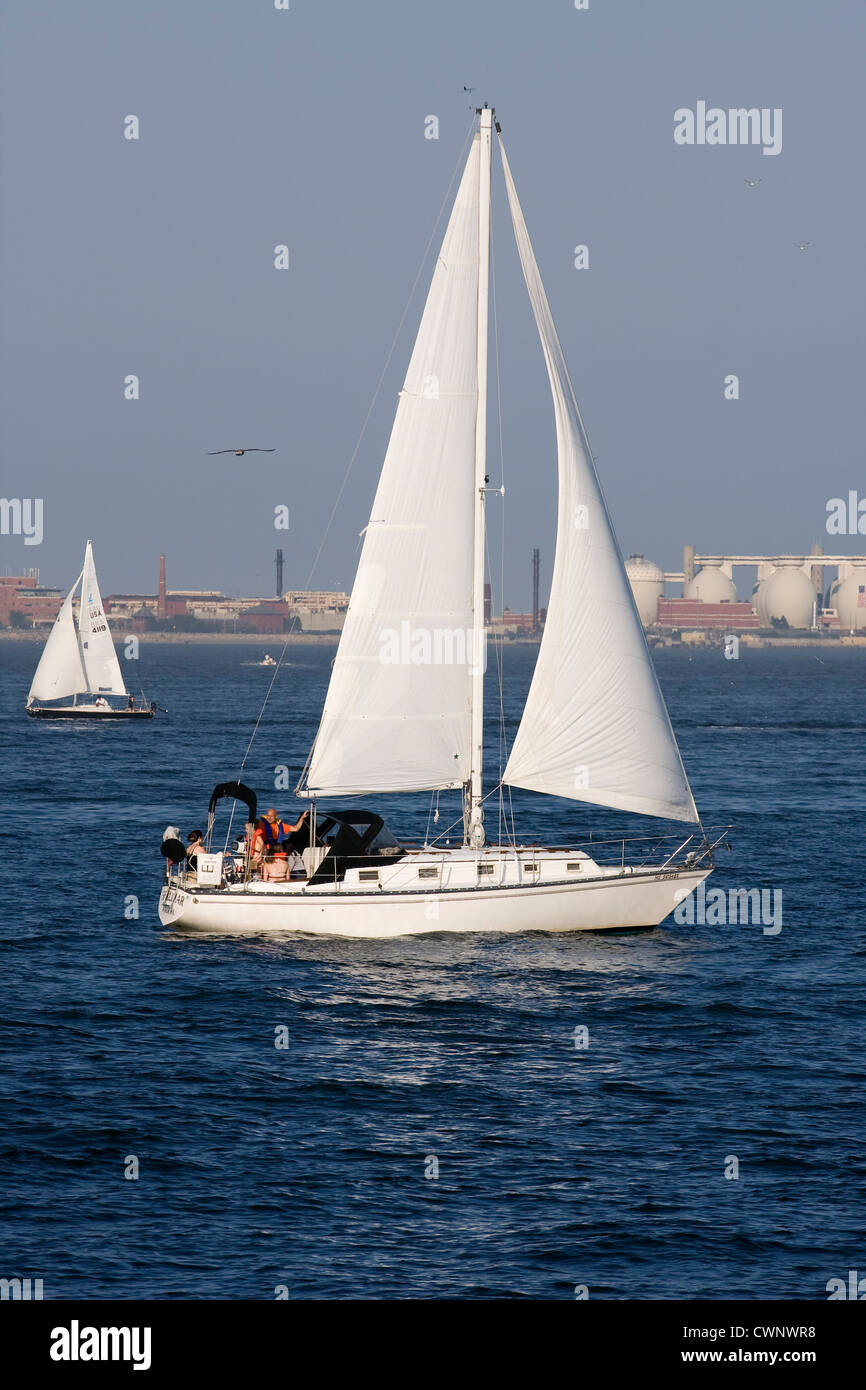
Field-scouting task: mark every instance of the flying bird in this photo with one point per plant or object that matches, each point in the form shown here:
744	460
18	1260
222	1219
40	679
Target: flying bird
752	183
469	89
239	452
802	245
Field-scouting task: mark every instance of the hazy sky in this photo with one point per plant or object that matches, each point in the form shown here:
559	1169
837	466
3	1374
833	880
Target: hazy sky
306	127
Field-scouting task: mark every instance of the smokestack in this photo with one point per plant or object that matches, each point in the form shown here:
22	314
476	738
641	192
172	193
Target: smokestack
536	567
161	606
279	564
688	565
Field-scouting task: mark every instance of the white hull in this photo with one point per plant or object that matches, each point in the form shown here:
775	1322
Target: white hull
625	901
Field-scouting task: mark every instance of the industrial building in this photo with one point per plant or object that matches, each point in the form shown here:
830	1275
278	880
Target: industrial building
788	593
294	611
25	603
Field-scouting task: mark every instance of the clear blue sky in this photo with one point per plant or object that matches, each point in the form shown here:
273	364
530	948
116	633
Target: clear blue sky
307	127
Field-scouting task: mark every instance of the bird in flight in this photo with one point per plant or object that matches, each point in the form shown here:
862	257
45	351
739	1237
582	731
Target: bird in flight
468	89
239	452
802	245
752	183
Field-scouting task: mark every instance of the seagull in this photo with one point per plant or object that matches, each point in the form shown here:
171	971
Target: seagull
802	245
239	452
752	183
468	89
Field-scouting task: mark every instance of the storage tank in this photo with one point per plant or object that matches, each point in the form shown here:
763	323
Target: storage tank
787	594
647	584
848	597
711	586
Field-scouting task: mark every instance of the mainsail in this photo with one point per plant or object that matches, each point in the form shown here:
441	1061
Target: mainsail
397	715
595	727
60	671
97	648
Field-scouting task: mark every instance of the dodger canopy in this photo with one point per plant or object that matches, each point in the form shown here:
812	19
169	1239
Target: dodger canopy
236	791
354	839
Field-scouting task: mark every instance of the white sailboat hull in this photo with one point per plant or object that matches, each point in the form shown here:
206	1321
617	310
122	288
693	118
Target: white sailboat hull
629	901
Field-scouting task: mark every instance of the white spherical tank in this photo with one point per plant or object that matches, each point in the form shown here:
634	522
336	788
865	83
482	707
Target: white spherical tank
848	597
647	584
711	586
787	594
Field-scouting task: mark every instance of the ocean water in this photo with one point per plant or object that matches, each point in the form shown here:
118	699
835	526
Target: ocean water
558	1166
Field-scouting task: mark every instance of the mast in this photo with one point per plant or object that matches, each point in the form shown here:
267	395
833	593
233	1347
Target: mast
475	826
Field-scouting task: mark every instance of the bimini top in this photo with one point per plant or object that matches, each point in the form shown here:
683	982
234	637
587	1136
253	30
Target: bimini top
237	791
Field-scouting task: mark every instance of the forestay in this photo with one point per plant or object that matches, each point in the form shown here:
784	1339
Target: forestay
595	727
60	672
398	709
97	648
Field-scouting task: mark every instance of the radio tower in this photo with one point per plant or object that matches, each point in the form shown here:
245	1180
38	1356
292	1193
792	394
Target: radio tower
279	565
536	566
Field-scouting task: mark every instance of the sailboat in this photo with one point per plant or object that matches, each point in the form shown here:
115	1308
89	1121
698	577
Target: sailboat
404	707
79	674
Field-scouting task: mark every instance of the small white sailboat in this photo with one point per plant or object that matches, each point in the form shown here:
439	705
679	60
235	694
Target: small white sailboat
404	708
79	663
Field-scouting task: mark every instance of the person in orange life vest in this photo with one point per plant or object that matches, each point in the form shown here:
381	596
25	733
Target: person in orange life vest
270	830
264	836
285	829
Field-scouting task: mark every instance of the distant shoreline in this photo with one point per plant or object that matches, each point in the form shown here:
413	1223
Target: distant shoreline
751	641
197	638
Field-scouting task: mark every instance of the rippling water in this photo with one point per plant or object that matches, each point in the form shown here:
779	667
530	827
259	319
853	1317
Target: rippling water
305	1167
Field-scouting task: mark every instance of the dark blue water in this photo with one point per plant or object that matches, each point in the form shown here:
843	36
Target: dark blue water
305	1167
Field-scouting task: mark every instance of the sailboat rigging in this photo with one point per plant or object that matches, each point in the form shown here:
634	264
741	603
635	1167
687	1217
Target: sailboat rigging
404	707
